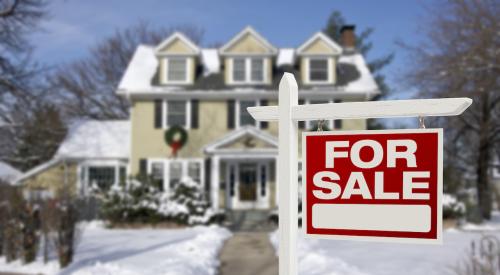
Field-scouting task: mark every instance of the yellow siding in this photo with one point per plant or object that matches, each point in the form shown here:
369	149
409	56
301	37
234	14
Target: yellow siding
248	44
228	68
148	142
54	178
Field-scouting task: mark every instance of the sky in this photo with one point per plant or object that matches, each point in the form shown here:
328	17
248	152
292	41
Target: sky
74	26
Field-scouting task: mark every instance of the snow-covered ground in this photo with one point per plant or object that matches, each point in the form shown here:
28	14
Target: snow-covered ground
138	251
329	257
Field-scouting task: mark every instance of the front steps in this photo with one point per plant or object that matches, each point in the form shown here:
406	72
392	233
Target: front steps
249	221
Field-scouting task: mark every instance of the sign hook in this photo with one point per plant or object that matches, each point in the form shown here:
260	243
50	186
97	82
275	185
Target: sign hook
421	122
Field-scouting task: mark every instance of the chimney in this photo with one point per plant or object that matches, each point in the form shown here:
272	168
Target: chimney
348	37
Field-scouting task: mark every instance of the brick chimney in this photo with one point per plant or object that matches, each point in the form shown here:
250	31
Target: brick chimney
348	37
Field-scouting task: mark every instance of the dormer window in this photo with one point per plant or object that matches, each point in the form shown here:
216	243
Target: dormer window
318	70
177	70
248	70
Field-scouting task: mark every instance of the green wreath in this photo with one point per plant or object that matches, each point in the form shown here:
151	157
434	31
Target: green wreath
176	136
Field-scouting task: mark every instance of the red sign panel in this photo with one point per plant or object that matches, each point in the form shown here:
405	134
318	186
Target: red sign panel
382	185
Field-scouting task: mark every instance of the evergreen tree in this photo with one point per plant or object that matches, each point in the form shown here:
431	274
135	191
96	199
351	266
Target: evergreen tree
363	45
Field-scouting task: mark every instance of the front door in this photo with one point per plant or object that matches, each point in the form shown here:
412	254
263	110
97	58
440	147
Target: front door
248	182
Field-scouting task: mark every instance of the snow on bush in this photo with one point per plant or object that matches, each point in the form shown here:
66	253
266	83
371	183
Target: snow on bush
143	201
452	208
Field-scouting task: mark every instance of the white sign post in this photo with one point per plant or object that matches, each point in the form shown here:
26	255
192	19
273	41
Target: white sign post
289	112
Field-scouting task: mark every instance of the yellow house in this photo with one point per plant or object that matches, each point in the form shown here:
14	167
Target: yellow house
206	92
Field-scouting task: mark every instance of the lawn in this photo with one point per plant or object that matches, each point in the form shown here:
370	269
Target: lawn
138	251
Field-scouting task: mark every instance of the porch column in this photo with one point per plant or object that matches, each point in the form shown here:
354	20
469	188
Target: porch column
276	180
215	181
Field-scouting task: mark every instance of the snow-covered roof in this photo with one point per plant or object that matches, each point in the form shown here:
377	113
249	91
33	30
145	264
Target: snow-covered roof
140	70
8	173
286	56
365	82
210	60
97	139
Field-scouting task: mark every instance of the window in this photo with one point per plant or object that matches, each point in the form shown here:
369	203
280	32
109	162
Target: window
318	70
257	70
175	173
123	175
245	117
194	171
248	70
176	113
239	72
102	177
177	70
157	173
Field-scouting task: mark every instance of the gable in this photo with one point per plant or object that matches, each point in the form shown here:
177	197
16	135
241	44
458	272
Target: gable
177	46
319	47
248	41
248	44
248	141
319	44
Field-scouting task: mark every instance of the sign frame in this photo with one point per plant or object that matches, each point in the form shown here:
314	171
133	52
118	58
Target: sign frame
407	240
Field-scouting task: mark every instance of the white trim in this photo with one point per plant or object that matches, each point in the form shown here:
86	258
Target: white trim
241	34
83	167
325	38
171	38
329	72
37	169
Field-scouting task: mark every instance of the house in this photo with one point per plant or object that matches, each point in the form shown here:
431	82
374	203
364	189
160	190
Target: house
206	91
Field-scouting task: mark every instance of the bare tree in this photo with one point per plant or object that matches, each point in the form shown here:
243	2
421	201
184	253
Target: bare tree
460	56
88	86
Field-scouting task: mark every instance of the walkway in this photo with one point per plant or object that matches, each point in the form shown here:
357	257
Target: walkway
248	253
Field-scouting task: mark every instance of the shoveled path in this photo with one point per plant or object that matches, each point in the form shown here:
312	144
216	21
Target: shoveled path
248	253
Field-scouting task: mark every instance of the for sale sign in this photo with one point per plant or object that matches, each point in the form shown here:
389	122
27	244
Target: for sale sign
382	185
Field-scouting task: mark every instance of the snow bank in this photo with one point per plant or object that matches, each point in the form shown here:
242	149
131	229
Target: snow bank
139	251
314	261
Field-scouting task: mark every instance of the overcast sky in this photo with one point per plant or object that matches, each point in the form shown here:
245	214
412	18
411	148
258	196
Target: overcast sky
74	25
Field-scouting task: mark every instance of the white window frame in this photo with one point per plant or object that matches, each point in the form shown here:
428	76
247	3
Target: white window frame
165	113
83	184
237	111
329	65
188	72
184	163
248	70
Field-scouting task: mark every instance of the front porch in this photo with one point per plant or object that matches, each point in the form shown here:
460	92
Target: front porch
243	170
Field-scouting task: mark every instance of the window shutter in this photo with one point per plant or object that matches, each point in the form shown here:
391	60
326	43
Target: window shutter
158	113
143	167
264	124
194	114
302	124
230	114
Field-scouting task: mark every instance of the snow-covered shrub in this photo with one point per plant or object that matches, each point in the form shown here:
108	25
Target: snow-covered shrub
141	201
188	204
452	208
483	258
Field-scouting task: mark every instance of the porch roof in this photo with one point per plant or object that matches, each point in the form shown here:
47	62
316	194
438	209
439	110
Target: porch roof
246	140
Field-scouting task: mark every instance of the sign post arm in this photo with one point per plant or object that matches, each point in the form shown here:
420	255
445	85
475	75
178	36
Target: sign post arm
288	180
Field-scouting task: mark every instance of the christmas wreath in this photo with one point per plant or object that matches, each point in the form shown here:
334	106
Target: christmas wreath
176	137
